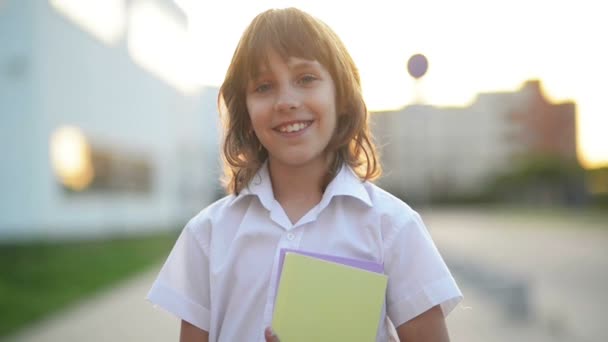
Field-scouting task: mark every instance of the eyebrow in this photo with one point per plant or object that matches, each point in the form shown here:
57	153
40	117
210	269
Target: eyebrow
293	64
302	63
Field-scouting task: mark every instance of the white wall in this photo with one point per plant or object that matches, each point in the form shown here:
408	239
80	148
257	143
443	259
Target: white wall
430	150
74	79
17	98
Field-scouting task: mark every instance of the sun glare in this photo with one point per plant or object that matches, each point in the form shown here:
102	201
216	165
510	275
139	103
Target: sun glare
71	157
159	44
104	19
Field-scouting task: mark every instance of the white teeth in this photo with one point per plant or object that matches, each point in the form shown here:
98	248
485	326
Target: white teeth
292	128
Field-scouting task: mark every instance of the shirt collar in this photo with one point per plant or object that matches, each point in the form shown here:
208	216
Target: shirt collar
261	186
346	183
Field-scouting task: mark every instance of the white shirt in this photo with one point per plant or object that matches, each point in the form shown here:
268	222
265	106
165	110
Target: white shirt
221	273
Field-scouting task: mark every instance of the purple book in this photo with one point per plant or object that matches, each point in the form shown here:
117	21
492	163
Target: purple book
367	265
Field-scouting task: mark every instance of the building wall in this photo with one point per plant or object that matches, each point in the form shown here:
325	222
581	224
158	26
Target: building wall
547	128
17	98
124	111
455	152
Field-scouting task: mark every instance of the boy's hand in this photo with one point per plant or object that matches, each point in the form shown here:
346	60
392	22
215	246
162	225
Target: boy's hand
270	335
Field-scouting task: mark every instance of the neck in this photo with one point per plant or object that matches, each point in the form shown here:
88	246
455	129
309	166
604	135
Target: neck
297	188
297	181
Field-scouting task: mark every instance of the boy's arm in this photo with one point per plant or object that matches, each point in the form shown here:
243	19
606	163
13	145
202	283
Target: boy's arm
190	333
426	327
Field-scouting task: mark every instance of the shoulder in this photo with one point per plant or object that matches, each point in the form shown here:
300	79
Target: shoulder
201	224
212	212
386	202
224	211
388	205
394	214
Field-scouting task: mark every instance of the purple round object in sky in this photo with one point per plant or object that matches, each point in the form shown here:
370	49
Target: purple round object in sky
417	65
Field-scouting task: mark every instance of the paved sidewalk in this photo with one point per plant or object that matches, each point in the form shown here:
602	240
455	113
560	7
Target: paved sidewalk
119	314
558	263
479	319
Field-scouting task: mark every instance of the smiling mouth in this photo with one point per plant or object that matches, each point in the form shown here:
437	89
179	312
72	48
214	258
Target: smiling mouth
293	127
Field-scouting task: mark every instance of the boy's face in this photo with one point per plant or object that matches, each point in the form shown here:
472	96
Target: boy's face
292	108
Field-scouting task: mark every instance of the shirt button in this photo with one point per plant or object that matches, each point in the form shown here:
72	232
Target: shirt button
290	236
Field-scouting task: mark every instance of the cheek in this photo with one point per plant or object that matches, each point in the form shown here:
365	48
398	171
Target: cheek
250	106
338	127
259	126
255	127
253	114
332	116
257	111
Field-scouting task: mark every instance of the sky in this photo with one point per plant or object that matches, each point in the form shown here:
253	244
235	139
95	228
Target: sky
472	46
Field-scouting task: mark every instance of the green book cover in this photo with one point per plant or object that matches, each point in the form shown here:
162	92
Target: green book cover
319	300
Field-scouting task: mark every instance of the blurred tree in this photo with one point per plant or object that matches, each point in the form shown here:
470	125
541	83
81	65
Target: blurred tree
597	185
541	179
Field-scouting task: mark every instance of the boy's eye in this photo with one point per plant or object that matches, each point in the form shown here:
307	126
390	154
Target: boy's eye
262	88
307	79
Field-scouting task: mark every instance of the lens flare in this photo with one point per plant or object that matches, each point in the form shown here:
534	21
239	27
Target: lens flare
71	158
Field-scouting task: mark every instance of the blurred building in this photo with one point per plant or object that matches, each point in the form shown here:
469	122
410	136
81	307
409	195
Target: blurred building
430	152
97	137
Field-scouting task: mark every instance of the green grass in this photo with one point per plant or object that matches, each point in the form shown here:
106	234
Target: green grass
40	278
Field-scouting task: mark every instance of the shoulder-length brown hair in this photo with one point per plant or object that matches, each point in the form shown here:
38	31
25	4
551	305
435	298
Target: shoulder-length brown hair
292	32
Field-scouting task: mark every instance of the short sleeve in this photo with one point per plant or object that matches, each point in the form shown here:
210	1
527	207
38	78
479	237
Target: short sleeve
182	286
418	276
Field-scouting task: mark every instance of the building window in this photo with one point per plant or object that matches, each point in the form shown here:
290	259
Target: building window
118	171
81	167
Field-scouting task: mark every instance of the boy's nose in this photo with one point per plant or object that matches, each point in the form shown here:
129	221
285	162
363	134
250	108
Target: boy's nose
287	100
